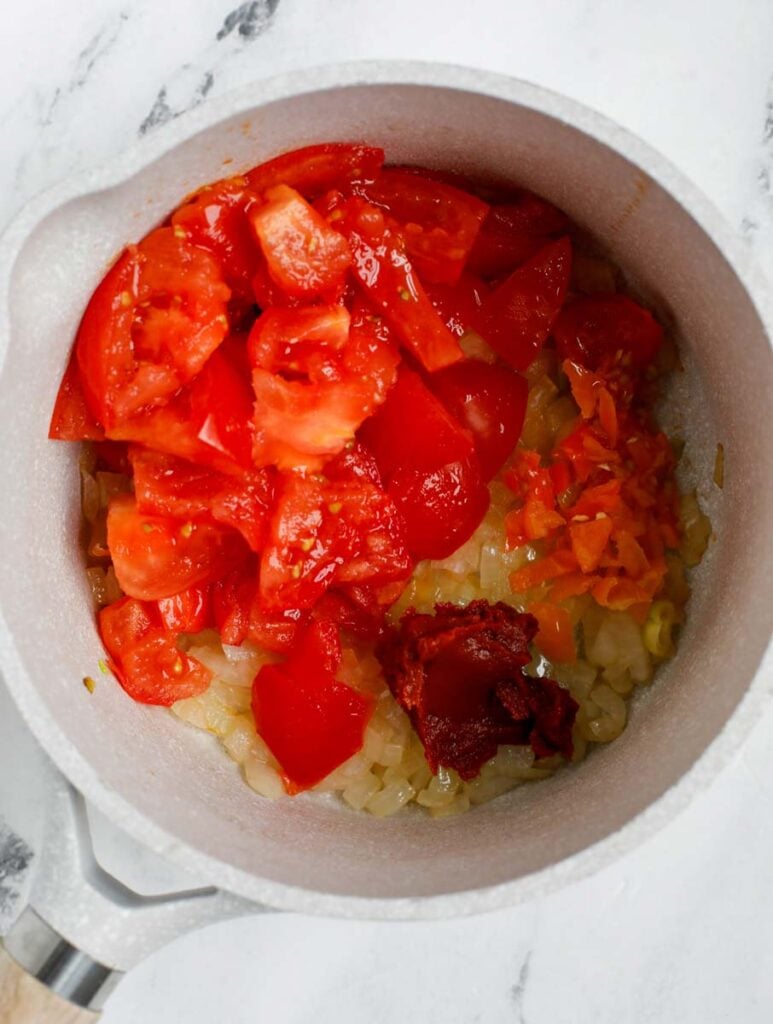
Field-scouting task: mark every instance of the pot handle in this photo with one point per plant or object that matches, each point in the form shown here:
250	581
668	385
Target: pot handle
46	980
25	1000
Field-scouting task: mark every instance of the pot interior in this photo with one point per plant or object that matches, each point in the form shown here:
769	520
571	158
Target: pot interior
178	777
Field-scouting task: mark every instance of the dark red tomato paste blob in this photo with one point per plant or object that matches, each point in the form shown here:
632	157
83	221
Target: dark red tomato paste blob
459	675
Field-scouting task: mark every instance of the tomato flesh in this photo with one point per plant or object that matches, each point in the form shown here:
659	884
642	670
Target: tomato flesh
305	256
326	533
438	221
490	401
316	377
158	556
186	612
168	486
515	319
144	656
384	271
215	219
429	466
310	721
150	326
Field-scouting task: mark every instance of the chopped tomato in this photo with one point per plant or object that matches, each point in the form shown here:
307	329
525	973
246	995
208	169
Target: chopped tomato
516	318
208	422
150	326
305	257
168	486
595	328
158	556
458	304
310	721
490	401
326	533
145	657
314	170
355	462
186	612
513	232
383	269
317	376
438	221
215	218
72	420
429	467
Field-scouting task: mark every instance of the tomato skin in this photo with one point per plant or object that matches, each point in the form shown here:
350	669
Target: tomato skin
594	328
215	218
513	232
314	170
72	419
158	556
326	533
515	319
429	466
490	401
438	221
186	612
144	656
458	304
385	273
167	486
310	721
305	257
340	371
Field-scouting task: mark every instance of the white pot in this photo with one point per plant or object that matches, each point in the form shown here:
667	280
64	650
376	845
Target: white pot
172	787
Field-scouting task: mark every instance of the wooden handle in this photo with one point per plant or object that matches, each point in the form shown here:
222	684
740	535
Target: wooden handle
23	1000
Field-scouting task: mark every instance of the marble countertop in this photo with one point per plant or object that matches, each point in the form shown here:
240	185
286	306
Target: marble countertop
681	930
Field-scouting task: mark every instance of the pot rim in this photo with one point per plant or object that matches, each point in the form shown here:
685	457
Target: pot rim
55	741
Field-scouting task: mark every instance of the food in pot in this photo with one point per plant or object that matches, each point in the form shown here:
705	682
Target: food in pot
373	485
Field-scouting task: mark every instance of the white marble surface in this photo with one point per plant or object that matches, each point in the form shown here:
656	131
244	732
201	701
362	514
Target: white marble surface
681	931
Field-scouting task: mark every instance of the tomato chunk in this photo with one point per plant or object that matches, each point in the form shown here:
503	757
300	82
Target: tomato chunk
383	269
215	218
429	466
325	533
72	420
314	170
438	221
317	375
304	255
168	486
208	422
144	657
158	556
513	232
490	401
458	304
515	319
595	328
310	721
186	612
150	326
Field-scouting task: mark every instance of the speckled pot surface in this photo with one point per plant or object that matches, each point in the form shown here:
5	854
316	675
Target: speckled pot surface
173	788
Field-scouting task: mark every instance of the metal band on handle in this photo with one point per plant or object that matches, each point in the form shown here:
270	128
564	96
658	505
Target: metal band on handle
69	972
